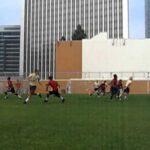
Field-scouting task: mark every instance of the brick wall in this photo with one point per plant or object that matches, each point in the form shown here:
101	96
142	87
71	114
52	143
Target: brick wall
78	86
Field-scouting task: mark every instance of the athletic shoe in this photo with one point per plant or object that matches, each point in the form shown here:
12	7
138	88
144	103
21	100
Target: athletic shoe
39	94
24	102
19	96
5	97
46	100
125	98
63	100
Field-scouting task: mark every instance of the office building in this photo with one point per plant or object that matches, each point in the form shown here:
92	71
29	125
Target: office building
147	18
9	50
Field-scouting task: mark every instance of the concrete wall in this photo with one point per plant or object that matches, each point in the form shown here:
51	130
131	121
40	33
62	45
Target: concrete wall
103	55
82	86
79	86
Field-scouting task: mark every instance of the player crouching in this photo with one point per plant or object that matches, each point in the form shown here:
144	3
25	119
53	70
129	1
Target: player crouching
54	89
94	89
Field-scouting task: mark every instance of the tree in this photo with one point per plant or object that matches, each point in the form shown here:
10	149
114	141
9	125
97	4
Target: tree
79	33
62	38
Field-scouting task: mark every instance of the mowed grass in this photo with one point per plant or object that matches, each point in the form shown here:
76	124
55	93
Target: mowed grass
81	123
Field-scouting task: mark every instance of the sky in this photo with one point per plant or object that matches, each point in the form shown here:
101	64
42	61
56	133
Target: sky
136	19
10	14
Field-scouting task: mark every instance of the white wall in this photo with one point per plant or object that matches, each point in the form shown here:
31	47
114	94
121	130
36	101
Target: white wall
103	55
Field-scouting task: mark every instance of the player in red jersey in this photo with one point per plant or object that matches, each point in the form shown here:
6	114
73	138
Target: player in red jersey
54	89
10	88
120	89
113	86
102	88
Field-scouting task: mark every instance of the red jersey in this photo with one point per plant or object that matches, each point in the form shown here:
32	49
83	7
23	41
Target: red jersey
114	83
53	84
10	85
18	85
120	85
103	86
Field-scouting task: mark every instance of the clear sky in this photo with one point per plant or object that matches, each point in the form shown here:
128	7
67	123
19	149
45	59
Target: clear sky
137	18
10	14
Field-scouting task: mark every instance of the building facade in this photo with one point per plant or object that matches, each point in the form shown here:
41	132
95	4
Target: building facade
124	57
46	21
147	18
9	50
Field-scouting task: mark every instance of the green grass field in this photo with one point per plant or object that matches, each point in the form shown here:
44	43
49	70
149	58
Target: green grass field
81	123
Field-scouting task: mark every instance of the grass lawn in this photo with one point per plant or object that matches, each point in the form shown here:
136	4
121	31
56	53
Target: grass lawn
81	123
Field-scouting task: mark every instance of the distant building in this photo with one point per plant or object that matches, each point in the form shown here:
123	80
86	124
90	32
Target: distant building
46	21
147	18
125	57
9	50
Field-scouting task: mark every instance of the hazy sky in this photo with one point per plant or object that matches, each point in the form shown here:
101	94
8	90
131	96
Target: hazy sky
10	13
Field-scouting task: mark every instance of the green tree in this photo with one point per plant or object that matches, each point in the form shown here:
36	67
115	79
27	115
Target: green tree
79	33
63	38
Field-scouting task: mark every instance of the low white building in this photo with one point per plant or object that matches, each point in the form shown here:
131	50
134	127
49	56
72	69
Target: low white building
102	57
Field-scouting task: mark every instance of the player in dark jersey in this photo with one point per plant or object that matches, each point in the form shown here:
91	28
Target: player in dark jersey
113	86
10	88
54	89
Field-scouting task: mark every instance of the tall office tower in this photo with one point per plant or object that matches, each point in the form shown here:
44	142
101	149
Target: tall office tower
9	50
46	21
147	18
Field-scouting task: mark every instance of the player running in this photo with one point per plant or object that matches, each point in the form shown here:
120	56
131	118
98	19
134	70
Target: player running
94	89
10	89
102	88
120	89
54	89
113	86
33	79
127	88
